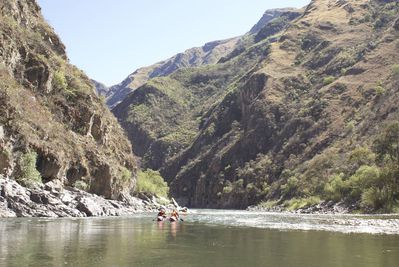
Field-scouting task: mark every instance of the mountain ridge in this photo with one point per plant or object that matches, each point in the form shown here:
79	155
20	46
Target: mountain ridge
281	119
210	53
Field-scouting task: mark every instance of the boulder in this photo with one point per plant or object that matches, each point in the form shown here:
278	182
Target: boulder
89	207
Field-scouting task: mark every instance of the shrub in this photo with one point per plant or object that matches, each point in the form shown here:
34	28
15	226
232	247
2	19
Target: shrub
365	177
395	70
28	174
360	156
387	143
379	90
151	181
81	185
126	175
59	81
328	80
227	189
291	186
372	198
300	203
336	188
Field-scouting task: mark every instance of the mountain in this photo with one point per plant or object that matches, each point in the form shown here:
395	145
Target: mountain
163	116
210	53
101	88
53	127
304	110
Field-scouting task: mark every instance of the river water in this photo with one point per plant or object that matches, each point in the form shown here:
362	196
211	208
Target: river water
205	238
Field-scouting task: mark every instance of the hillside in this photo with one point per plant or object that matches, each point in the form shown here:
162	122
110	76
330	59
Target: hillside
290	117
53	127
210	53
162	116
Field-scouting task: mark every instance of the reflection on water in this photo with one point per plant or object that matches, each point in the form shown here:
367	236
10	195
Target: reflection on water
206	238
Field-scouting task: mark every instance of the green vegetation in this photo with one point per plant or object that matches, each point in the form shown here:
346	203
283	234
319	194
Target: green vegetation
328	80
300	203
395	70
81	185
59	80
126	175
151	181
379	90
28	174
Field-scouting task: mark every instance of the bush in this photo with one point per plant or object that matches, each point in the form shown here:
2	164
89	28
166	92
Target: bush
395	70
379	90
360	156
59	81
28	174
372	198
300	203
328	80
364	178
336	188
126	175
151	181
291	186
81	185
387	143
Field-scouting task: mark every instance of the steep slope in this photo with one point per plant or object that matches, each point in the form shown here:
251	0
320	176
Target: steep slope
290	127
52	124
163	116
210	53
101	88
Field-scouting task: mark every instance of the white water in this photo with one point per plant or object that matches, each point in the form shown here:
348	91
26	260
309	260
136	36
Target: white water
344	223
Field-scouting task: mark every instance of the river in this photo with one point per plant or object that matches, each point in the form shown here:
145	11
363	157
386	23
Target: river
205	238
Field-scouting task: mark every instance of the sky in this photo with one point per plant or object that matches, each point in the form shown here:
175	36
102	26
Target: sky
109	39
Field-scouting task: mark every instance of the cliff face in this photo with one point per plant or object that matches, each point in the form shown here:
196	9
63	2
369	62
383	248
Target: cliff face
51	120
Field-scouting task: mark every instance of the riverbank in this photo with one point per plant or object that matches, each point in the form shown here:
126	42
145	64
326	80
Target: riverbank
54	200
324	207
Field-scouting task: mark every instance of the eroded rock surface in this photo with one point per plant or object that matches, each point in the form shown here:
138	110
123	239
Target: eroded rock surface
52	200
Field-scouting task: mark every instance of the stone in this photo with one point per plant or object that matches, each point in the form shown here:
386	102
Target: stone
1	133
89	207
54	186
19	201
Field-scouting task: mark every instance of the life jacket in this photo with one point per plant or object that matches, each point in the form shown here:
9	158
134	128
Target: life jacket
161	213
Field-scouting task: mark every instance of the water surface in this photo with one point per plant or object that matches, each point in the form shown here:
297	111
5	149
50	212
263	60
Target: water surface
205	238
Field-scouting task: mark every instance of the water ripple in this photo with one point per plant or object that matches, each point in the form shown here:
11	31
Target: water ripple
344	223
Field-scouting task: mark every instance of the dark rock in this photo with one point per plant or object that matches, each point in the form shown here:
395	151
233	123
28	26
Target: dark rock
39	197
354	71
326	26
396	25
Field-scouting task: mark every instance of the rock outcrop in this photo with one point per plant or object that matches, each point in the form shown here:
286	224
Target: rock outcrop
50	200
53	126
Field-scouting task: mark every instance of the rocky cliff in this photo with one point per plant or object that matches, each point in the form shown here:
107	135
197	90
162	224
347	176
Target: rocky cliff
52	124
290	114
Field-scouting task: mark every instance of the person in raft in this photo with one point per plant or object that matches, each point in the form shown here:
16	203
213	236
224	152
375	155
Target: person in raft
161	215
174	217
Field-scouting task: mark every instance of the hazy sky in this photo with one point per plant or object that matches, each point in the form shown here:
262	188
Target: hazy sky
109	39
